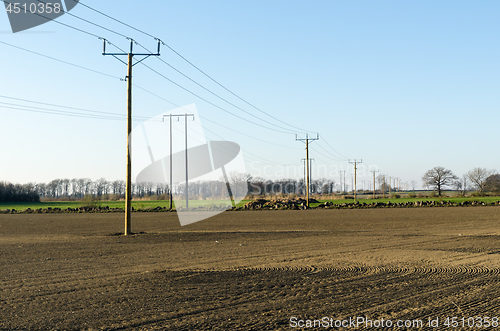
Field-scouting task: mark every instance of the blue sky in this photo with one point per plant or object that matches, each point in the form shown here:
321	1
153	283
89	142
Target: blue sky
403	85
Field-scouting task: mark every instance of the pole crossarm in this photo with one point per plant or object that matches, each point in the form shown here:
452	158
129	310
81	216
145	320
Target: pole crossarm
179	115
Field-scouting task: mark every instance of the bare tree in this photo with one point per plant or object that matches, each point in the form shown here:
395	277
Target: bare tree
478	177
458	184
413	185
101	186
438	178
65	184
382	183
464	180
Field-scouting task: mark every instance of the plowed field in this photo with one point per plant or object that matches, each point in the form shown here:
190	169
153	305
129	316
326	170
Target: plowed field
261	270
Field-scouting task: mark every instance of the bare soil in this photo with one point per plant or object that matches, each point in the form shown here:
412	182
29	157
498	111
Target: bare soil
250	270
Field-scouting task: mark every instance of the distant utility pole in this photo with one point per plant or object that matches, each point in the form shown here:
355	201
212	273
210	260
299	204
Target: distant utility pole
344	182
341	182
306	140
186	154
170	118
310	169
355	162
374	171
383	191
304	182
390	183
128	78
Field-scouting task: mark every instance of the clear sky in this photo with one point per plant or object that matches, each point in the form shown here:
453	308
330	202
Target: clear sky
403	85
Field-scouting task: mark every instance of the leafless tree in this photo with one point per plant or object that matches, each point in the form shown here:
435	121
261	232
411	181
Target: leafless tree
65	184
478	177
438	178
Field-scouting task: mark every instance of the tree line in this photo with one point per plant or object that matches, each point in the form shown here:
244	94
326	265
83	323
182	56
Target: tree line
242	185
438	178
18	193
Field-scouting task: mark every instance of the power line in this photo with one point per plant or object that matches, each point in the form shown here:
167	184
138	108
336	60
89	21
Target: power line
59	106
186	60
246	152
213	93
122	35
216	123
120	116
87	21
114	19
58	60
211	103
58	112
48	111
326	142
66	25
247	135
333	157
111	76
328	157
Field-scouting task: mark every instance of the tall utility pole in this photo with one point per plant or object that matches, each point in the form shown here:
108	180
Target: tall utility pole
355	162
390	180
128	78
306	140
374	171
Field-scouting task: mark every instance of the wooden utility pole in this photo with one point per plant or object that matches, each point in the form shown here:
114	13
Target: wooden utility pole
128	190
355	162
306	140
185	152
171	184
305	167
309	169
170	167
383	191
128	78
374	171
344	183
